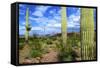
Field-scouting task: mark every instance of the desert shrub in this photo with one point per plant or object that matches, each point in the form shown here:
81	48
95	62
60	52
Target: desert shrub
36	53
49	41
68	54
65	56
21	42
21	39
21	45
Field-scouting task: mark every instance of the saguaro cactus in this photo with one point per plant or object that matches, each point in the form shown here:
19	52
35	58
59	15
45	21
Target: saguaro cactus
25	52
27	26
87	34
65	52
64	26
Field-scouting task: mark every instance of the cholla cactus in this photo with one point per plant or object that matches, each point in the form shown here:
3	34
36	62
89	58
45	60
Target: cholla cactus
64	26
27	26
87	33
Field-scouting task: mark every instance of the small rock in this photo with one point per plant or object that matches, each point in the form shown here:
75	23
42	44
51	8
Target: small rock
34	60
38	58
27	61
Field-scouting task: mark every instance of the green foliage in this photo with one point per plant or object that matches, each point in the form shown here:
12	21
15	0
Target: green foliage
36	53
72	51
21	45
65	56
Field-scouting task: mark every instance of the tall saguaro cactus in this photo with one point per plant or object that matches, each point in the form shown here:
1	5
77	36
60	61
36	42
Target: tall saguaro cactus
65	52
87	33
64	26
25	52
27	27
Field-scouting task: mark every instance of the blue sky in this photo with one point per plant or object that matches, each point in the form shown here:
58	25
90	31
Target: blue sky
47	19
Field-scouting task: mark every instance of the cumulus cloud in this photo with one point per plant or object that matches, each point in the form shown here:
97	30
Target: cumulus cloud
54	25
74	20
21	32
38	13
40	10
21	27
50	23
21	5
23	23
21	12
36	28
39	19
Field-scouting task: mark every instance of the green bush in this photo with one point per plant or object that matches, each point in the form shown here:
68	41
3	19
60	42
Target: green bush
66	56
36	53
21	45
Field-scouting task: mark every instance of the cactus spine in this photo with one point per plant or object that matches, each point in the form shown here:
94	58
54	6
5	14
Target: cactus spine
87	34
27	27
64	26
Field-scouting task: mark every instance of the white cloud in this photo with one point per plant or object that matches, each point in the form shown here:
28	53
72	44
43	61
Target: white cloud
54	25
51	11
42	20
38	13
70	24
21	32
23	23
57	17
21	12
57	25
48	22
40	10
21	27
22	5
32	18
50	25
74	17
52	21
56	14
36	28
74	20
52	30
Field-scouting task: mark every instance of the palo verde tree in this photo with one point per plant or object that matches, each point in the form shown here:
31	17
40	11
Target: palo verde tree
87	33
